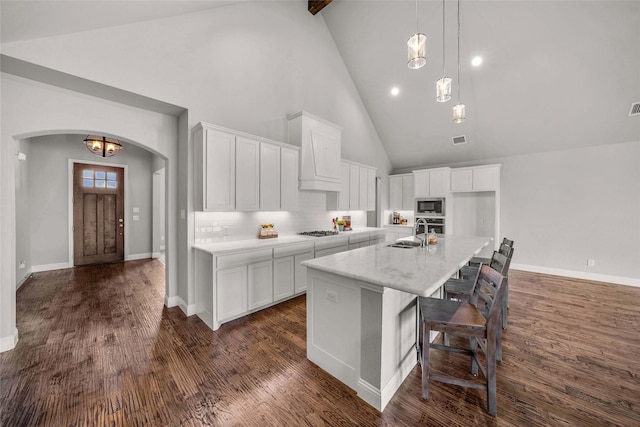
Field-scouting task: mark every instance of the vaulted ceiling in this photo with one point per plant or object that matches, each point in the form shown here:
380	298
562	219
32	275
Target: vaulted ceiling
556	74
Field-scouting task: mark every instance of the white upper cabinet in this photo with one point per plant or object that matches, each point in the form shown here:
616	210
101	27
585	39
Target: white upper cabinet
431	182
288	179
247	174
354	187
339	201
401	192
358	188
477	178
214	165
269	177
320	145
237	171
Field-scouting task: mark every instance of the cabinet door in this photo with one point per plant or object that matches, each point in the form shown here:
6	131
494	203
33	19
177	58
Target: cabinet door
395	193
354	187
260	284
288	179
231	293
438	182
269	177
301	272
219	172
408	198
364	189
283	277
421	184
371	189
248	174
343	196
485	178
461	180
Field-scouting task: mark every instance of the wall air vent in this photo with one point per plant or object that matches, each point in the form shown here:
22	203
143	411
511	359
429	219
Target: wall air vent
635	109
457	140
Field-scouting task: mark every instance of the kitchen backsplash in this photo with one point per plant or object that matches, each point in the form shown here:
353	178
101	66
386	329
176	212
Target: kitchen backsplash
312	214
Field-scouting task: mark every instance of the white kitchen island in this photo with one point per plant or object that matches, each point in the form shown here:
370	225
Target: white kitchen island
361	310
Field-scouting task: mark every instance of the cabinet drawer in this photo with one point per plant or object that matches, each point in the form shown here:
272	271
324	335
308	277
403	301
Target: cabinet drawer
227	261
332	242
288	250
359	238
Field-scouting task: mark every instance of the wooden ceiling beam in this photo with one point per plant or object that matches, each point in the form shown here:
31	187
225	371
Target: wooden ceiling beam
316	6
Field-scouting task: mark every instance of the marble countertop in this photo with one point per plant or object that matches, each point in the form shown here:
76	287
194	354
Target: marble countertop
419	271
232	246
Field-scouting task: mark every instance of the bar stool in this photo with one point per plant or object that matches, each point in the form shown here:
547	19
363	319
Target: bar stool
476	261
478	320
461	289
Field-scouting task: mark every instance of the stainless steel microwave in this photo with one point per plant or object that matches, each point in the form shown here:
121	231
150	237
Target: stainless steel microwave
430	207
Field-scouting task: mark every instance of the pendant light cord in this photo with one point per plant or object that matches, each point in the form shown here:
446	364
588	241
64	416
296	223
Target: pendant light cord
417	19
443	37
458	51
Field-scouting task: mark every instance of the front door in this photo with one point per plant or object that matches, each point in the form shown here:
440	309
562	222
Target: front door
98	214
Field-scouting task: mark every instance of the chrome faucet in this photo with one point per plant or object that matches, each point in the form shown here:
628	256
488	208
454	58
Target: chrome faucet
423	221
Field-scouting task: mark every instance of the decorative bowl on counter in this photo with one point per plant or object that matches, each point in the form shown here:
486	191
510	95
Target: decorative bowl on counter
267	232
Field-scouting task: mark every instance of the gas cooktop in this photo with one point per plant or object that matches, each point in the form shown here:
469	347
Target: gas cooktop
319	233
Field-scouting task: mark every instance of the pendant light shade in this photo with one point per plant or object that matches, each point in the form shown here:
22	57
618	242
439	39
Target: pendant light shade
417	51
458	113
443	89
417	47
102	146
443	86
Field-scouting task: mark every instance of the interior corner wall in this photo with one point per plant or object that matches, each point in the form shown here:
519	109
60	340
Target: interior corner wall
23	212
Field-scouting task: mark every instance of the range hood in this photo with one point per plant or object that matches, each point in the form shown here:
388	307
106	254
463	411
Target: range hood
319	142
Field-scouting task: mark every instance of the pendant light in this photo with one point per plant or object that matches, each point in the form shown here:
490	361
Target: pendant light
103	147
459	108
443	86
417	47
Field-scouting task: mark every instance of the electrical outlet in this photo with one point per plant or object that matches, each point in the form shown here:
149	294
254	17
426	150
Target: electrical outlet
591	263
22	265
225	231
332	296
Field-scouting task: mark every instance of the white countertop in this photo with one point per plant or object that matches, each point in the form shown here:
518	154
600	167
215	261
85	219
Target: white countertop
231	246
418	271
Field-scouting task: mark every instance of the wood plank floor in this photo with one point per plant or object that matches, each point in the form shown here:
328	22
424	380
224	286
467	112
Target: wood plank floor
98	348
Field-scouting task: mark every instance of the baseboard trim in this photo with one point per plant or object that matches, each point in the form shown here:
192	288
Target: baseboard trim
50	267
187	309
618	280
23	279
9	342
171	301
135	257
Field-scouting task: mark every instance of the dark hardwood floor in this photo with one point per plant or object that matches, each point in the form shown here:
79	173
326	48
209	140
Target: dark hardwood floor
98	348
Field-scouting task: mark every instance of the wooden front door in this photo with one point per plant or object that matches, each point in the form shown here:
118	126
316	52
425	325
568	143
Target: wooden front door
98	214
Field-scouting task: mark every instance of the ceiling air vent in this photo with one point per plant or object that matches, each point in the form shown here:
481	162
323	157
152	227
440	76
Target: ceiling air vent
635	109
457	140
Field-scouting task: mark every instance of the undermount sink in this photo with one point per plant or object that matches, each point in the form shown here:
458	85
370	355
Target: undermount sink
404	244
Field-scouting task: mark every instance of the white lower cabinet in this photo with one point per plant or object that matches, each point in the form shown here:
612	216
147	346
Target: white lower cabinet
231	293
283	277
260	284
300	272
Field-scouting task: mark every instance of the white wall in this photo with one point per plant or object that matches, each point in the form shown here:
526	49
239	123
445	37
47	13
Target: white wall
565	207
23	209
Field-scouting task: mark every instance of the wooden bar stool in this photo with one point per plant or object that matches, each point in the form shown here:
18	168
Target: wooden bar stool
476	261
460	289
479	320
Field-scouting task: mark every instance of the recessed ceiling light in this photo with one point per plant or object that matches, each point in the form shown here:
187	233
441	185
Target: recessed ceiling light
476	61
395	91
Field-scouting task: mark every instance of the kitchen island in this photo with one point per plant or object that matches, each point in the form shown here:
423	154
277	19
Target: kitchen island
361	310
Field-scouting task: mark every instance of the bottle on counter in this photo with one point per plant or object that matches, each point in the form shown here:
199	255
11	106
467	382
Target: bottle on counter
432	238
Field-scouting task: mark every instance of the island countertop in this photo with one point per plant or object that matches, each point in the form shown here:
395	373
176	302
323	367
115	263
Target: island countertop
419	271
